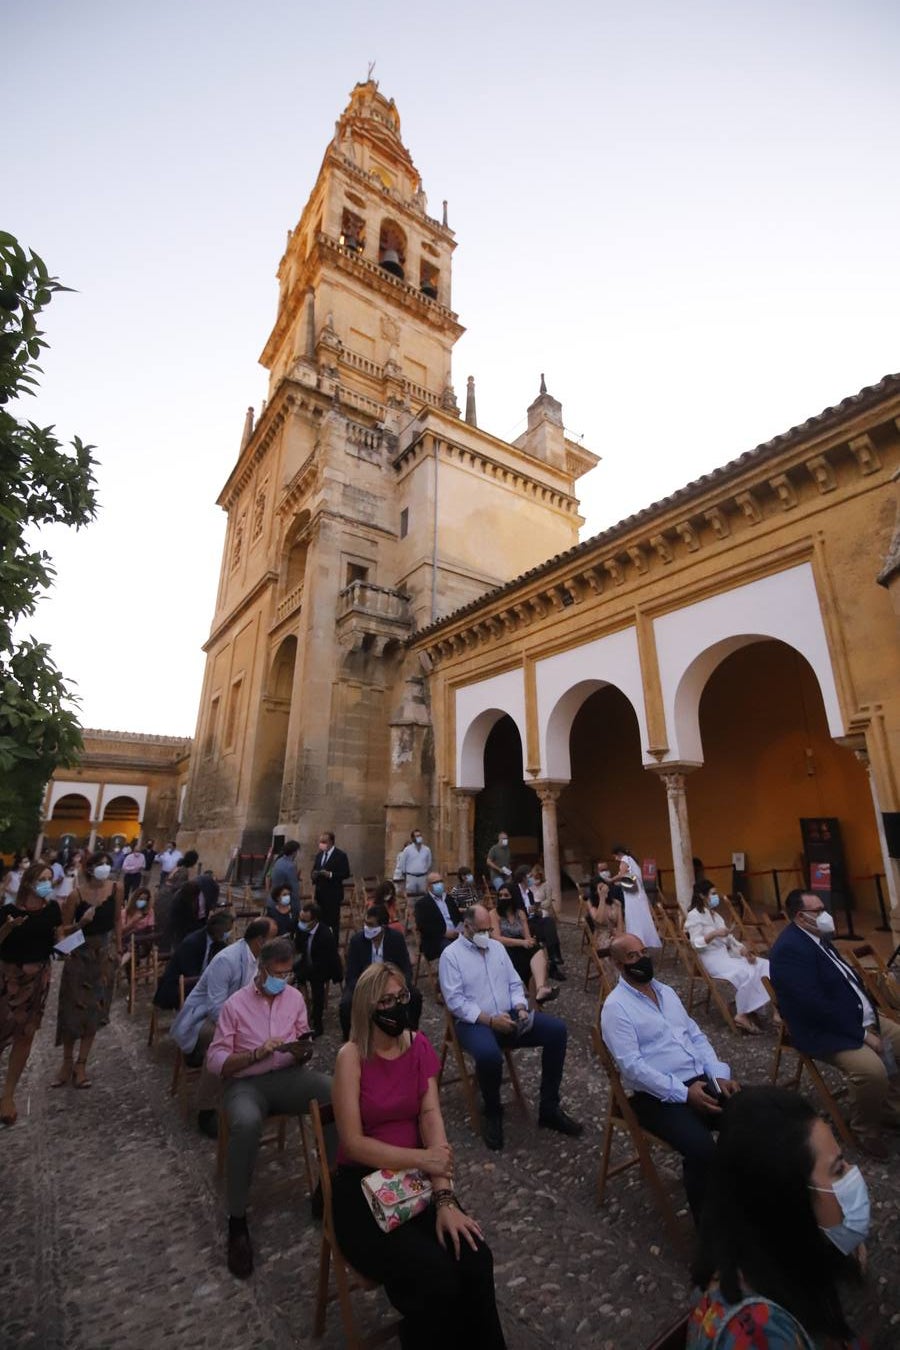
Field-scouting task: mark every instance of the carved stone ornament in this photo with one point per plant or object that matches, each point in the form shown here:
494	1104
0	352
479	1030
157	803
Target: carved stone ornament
821	473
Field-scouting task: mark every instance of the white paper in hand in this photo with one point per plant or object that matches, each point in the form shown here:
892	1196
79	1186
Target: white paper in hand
70	943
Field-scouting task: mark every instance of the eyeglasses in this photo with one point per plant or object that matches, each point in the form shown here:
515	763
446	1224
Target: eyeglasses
392	1000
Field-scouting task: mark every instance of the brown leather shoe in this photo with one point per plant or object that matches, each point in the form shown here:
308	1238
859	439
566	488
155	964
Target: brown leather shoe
240	1253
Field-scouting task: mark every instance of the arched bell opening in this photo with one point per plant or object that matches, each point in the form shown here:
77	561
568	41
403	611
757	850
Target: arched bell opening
392	249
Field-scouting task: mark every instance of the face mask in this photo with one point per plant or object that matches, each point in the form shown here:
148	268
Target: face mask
825	923
274	984
417	839
530	881
481	940
713	900
372	931
43	889
102	871
392	1021
852	1195
140	904
304	927
641	970
503	840
226	937
468	878
437	888
283	901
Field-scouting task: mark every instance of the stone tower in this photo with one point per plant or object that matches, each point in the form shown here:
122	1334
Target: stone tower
361	507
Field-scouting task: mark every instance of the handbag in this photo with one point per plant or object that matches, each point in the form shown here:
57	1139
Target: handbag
394	1197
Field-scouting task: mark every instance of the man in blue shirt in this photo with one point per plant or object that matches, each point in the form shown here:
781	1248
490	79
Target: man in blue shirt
487	1000
676	1082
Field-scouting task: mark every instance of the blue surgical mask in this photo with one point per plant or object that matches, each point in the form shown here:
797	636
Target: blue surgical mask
437	888
852	1194
140	904
273	984
44	889
371	931
304	927
713	900
468	878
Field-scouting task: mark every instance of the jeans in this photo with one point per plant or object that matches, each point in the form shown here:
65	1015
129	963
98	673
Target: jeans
487	1051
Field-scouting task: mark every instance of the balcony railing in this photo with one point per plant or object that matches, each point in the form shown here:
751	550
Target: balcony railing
369	615
290	604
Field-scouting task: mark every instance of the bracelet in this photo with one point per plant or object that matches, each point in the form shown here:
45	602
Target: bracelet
440	1194
445	1200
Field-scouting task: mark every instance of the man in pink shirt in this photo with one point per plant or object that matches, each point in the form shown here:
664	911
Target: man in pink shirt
261	1077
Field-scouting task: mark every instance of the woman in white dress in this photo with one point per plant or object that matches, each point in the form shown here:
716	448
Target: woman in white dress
638	919
724	957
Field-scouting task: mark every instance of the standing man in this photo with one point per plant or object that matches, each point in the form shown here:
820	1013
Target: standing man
168	861
331	868
499	861
675	1079
132	871
830	1017
414	864
261	1078
319	962
284	873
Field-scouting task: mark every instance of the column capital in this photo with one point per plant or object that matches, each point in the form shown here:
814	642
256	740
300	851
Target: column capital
856	742
548	789
673	772
463	793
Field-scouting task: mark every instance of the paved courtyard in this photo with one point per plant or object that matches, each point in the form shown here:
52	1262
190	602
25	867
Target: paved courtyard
114	1230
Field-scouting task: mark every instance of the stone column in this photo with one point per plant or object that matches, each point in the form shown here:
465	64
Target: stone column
673	776
464	845
93	836
548	795
39	846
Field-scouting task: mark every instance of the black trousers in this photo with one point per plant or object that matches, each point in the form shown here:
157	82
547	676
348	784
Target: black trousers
687	1131
445	1304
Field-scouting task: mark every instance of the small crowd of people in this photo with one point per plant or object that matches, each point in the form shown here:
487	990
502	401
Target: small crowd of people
771	1270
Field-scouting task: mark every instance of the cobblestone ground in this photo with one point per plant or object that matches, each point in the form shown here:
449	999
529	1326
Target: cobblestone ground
114	1230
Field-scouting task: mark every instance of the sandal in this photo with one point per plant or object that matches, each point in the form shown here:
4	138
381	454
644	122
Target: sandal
747	1028
80	1076
64	1079
547	995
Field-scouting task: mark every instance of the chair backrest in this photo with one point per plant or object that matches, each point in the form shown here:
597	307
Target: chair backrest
322	1114
608	1064
674	1337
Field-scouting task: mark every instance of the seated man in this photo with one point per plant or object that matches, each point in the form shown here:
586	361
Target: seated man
191	957
377	942
543	926
437	918
319	961
829	1016
194	1027
260	1078
488	1003
676	1082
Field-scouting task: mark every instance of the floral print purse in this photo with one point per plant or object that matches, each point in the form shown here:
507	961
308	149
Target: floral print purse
394	1197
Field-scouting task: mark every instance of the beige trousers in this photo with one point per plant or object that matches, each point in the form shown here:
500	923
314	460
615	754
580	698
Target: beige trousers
874	1098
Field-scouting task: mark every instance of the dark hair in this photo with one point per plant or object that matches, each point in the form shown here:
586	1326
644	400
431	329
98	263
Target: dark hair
698	895
509	903
521	872
190	859
95	859
327	834
386	891
290	848
380	912
310	907
276	949
30	876
620	848
219	921
758	1229
464	871
793	902
257	928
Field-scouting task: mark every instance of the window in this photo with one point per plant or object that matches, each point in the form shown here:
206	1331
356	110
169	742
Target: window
237	547
212	722
404	522
353	232
259	511
392	249
234	699
429	277
356	572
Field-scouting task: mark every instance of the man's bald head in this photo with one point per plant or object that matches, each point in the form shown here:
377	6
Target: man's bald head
478	917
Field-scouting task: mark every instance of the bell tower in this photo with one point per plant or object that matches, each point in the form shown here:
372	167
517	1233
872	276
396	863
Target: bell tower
364	283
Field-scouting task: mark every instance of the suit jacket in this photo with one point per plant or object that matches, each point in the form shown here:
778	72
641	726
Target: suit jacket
188	960
822	1009
431	925
324	963
359	957
329	891
229	970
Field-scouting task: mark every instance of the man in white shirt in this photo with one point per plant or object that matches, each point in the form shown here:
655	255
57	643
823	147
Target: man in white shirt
676	1082
168	860
414	864
487	1000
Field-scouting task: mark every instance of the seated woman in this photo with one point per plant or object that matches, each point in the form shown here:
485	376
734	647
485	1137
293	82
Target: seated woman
386	894
543	896
783	1224
28	929
724	957
436	1269
138	919
509	925
606	922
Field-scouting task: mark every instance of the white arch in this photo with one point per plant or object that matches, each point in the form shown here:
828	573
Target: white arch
137	793
564	682
478	708
63	788
692	642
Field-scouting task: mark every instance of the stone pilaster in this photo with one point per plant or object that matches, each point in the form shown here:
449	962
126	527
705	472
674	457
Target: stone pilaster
548	795
673	777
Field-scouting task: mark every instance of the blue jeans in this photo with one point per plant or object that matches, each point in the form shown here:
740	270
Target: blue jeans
487	1051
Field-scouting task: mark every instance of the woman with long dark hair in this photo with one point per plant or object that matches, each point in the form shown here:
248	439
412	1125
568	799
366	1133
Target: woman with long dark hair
28	930
784	1222
724	957
509	927
89	974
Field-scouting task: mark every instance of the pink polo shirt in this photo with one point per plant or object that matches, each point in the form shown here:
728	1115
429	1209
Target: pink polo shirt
248	1019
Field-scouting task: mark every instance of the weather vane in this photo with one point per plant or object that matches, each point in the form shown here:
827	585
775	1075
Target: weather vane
371	68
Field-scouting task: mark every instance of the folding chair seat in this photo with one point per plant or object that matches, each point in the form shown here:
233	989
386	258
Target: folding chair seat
807	1064
620	1116
698	972
183	1074
143	964
346	1279
466	1076
881	984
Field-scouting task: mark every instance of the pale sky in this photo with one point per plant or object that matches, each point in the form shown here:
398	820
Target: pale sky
685	214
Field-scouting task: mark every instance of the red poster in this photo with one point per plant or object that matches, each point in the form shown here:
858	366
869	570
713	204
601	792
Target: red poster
820	876
648	869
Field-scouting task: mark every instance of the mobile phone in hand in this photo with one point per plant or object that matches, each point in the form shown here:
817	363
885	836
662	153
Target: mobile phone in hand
713	1088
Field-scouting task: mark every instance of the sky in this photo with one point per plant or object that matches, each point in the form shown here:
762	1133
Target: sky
685	215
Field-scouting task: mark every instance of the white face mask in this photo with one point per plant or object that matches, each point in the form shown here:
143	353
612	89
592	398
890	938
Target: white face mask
825	923
503	841
481	940
102	871
371	931
852	1194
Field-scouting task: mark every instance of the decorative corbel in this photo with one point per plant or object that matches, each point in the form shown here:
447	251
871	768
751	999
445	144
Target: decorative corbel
784	489
821	473
688	535
750	507
718	523
865	454
638	557
663	548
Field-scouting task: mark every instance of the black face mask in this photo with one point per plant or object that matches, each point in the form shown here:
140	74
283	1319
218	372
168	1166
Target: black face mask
392	1021
641	970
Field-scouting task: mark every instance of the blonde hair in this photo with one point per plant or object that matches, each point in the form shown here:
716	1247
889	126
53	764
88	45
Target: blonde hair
370	987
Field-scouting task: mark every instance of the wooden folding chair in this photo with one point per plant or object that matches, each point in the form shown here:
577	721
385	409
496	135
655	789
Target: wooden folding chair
143	965
674	1337
805	1062
620	1116
466	1078
346	1279
429	970
274	1132
183	1074
597	971
667	926
881	985
753	925
698	972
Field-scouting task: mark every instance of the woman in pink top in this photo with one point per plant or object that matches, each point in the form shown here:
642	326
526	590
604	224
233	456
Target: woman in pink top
436	1269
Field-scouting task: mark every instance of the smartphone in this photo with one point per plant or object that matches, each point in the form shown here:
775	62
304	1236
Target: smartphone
302	1042
713	1087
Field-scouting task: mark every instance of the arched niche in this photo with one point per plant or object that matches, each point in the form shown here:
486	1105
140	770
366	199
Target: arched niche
559	726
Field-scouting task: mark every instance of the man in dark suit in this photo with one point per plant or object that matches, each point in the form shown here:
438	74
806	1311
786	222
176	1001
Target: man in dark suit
377	942
331	869
437	918
192	956
829	1016
319	962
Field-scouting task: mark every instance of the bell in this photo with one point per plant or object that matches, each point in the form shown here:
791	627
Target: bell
428	288
390	261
